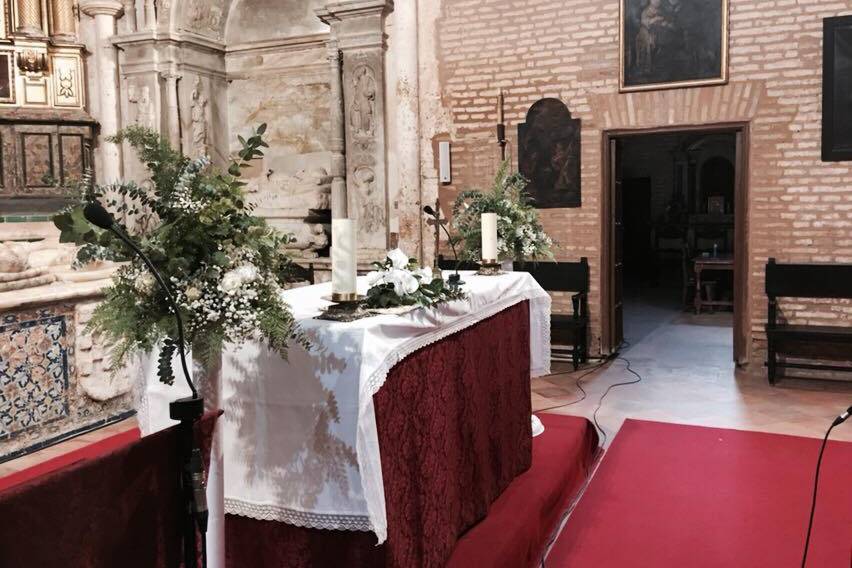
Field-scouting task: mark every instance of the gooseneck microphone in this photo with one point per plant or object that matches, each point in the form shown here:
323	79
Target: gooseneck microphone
837	422
187	410
98	216
454	279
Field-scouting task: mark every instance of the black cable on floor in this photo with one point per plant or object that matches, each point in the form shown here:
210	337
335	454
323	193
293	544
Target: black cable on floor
577	384
816	489
637	380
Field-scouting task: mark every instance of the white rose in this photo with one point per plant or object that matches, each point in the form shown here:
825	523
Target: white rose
145	283
398	258
374	278
425	274
193	293
231	281
247	273
403	281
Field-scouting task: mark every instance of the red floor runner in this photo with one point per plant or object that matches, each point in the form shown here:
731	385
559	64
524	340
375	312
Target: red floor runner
683	496
87	452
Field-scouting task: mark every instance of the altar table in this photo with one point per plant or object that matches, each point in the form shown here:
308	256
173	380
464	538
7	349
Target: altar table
304	440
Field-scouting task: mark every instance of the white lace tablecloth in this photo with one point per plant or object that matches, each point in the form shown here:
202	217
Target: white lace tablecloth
299	437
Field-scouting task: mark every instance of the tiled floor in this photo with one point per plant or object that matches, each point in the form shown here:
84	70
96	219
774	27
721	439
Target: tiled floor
689	377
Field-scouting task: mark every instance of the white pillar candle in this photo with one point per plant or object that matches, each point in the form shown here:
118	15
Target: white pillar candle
344	262
489	236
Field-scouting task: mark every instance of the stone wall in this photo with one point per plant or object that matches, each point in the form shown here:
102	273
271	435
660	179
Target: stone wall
800	209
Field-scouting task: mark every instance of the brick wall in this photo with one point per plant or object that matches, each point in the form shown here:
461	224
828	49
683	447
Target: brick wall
800	209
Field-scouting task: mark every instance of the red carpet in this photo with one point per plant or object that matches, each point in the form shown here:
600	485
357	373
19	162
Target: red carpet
519	523
682	496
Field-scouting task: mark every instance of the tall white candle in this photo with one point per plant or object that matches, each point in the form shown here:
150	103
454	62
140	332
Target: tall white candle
489	236
344	262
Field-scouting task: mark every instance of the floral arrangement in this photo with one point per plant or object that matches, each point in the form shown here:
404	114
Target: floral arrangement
224	265
520	235
399	281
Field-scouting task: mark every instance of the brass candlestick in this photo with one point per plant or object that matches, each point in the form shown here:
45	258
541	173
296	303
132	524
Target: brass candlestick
346	307
489	267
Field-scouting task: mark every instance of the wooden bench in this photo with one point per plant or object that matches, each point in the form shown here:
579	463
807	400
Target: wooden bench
832	281
565	330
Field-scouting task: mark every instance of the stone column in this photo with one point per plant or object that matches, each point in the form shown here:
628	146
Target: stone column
407	126
172	110
358	27
63	26
339	200
29	17
150	15
128	21
105	12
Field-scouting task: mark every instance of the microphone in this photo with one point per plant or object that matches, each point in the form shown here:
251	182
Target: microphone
187	410
97	215
454	279
843	417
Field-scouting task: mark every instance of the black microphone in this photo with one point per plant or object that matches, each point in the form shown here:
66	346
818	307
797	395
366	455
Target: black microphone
454	279
843	417
97	215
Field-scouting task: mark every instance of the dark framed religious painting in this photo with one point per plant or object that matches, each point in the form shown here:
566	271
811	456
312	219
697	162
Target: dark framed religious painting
7	78
549	155
673	43
837	89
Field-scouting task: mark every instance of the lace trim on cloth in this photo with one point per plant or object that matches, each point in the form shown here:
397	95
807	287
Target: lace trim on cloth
298	518
378	378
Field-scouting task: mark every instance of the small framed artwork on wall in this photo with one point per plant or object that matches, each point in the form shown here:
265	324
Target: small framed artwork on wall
7	78
837	89
667	44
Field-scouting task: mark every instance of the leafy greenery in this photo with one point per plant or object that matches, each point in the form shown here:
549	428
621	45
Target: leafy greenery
399	281
520	235
225	266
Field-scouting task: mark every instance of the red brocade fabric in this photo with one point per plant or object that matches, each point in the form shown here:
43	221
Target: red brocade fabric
122	507
454	431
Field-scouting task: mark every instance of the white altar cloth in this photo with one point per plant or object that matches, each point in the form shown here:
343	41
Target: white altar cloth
299	437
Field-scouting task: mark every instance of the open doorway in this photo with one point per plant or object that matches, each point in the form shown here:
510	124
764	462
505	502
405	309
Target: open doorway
674	232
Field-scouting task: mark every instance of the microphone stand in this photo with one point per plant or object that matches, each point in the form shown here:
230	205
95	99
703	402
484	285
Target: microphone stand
186	410
455	279
837	422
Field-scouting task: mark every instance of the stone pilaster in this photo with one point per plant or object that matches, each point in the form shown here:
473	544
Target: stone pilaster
105	13
172	110
407	127
357	27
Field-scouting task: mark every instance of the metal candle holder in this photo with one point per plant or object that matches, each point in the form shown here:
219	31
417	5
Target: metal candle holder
489	267
346	307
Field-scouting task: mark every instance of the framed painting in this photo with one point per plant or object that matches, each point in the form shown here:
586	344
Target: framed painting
549	155
837	89
665	44
7	78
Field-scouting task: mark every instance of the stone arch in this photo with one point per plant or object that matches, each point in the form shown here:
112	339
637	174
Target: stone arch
259	20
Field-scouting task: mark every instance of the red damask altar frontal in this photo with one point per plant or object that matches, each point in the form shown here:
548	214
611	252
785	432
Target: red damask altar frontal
454	430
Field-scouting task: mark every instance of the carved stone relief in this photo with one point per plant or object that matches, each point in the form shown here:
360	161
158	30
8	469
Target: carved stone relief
141	105
362	111
204	17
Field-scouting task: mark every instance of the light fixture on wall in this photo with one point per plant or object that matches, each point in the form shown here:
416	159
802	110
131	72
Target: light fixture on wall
444	171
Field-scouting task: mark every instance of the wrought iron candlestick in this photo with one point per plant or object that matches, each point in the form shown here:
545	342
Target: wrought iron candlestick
501	127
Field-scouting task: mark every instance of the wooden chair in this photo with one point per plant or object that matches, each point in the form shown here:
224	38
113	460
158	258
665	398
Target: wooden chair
571	329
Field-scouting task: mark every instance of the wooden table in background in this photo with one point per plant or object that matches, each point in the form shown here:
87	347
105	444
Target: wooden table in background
702	263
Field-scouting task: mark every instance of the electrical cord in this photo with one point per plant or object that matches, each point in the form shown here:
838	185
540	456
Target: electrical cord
637	380
837	422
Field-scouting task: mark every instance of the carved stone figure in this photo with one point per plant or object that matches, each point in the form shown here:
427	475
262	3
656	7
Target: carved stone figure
199	120
204	16
308	239
142	109
363	111
371	216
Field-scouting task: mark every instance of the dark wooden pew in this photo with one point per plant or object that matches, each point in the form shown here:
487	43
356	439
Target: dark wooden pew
833	281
